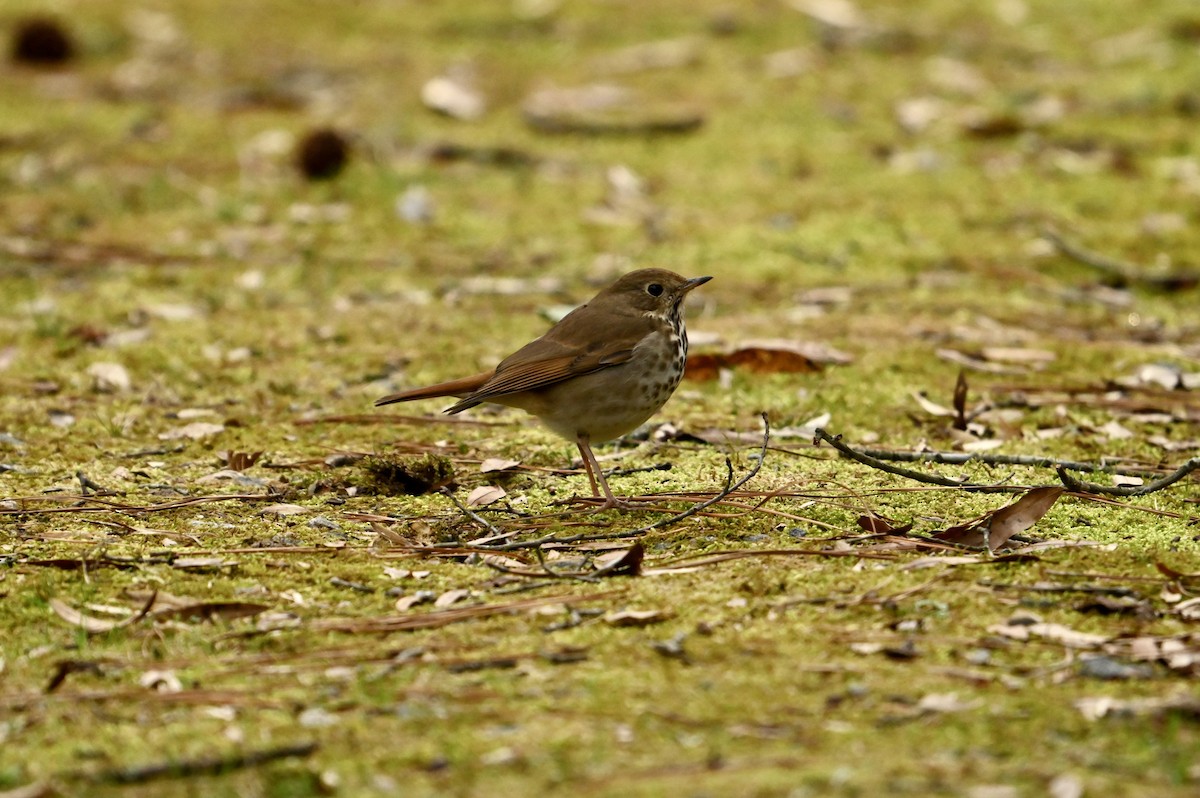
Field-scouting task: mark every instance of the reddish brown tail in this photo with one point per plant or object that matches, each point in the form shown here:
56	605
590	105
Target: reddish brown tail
458	388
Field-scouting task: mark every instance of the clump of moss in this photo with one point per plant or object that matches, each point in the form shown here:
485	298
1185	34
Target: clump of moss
411	476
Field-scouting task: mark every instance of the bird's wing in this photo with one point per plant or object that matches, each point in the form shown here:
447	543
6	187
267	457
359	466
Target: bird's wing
558	355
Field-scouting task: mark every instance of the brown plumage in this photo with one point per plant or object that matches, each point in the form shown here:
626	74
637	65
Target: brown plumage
597	374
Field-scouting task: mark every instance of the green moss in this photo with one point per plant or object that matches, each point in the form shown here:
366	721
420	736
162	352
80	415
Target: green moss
307	302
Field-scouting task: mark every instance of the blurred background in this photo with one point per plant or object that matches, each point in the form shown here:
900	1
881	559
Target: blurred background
249	186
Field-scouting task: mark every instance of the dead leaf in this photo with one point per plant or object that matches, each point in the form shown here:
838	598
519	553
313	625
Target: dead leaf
960	401
1052	632
1066	785
1188	610
621	563
202	563
406	603
941	703
451	597
779	358
484	495
636	617
497	464
283	510
994	530
96	625
878	525
455	95
195	431
161	681
1099	707
240	461
1021	514
605	108
931	407
1017	354
109	377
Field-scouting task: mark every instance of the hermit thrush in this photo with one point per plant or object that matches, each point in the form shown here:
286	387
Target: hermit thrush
599	373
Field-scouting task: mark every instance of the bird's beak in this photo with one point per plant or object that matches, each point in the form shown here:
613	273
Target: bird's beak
695	282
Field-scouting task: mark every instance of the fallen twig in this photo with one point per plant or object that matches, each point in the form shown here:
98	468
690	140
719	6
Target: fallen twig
1127	490
836	442
1123	271
103	505
984	458
203	766
875	459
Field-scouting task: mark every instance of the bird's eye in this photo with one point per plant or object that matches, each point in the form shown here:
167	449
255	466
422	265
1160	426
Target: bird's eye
654	289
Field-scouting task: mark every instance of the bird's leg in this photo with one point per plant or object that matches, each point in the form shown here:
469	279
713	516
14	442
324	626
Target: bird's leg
585	452
596	475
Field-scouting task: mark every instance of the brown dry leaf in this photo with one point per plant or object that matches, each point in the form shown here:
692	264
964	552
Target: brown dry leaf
211	610
942	703
878	525
109	377
621	563
636	617
1021	514
1188	610
283	510
995	529
497	464
978	364
960	401
1017	354
1052	632
202	563
1180	653
500	561
931	407
240	461
451	597
771	358
168	605
606	108
96	625
484	495
406	603
197	430
455	94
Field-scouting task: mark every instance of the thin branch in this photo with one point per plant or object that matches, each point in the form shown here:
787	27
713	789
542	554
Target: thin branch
730	487
1128	490
874	459
203	766
1124	271
112	506
933	479
1032	461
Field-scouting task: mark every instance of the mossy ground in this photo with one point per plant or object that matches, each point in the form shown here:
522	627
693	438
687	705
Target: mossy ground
137	229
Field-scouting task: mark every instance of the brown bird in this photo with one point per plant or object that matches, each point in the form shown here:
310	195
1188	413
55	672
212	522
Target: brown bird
599	373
